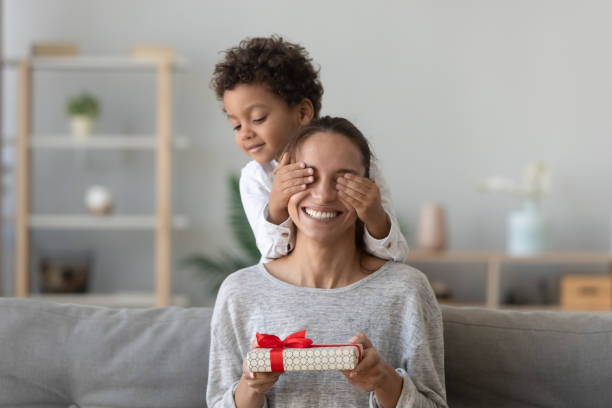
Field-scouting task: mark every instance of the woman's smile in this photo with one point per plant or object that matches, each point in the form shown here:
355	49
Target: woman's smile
321	215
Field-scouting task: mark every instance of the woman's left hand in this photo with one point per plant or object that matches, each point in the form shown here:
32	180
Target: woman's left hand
370	372
364	196
373	374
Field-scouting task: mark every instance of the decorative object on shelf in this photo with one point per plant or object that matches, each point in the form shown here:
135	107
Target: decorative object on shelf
54	49
152	51
99	200
441	290
82	110
215	269
65	273
586	292
432	228
528	229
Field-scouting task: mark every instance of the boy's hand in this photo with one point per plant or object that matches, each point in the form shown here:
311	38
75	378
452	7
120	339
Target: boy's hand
373	374
364	196
289	178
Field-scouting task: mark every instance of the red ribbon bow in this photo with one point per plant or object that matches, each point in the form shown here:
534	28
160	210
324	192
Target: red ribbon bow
294	340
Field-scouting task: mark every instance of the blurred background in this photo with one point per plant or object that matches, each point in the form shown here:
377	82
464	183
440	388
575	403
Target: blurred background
448	92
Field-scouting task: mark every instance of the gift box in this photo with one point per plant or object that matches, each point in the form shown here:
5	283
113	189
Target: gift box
297	353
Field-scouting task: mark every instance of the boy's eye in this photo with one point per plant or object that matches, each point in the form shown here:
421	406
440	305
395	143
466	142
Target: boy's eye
260	120
236	128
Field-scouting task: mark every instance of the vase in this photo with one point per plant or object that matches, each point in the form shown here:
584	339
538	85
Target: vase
432	228
528	230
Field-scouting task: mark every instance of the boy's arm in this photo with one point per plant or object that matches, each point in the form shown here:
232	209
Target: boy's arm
273	241
394	245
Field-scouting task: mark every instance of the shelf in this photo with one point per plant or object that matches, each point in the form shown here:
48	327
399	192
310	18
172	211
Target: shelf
101	142
96	63
493	261
71	222
160	143
486	256
114	300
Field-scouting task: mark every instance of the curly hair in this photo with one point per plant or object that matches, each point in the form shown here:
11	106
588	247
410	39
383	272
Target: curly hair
284	67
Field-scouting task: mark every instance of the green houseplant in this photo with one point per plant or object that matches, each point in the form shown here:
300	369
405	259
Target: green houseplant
83	110
215	268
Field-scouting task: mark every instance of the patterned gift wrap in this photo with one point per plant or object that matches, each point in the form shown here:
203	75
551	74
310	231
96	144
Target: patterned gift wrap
307	359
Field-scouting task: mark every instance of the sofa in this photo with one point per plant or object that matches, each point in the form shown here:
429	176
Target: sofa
55	355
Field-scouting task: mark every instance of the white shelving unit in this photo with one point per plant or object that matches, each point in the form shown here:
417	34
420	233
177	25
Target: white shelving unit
162	143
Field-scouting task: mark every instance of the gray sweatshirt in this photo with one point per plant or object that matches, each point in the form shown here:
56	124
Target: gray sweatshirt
394	307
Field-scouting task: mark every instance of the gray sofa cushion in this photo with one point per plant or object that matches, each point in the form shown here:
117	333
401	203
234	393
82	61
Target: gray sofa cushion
527	359
57	355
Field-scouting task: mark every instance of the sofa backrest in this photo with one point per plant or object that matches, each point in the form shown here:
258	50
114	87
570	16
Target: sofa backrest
502	359
56	355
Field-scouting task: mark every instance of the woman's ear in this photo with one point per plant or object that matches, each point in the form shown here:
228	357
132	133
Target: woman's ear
305	111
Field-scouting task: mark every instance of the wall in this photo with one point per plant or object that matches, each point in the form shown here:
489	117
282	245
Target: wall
448	92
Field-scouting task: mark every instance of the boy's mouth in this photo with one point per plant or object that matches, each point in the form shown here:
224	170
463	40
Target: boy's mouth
255	148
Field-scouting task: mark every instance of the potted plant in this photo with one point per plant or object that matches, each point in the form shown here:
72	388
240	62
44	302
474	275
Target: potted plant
82	110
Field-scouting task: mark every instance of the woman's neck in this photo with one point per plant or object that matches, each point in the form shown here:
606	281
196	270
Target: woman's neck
317	265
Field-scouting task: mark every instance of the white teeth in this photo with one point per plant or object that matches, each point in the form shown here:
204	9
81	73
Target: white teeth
320	215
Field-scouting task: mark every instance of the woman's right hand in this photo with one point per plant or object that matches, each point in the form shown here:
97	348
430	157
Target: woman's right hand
253	387
289	178
259	383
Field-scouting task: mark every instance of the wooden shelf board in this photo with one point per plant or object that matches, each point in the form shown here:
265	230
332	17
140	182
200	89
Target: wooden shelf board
69	222
95	63
102	141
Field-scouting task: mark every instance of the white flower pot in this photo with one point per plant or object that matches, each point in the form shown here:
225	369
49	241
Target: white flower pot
81	126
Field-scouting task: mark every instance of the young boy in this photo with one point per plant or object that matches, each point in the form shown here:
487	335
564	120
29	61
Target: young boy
269	88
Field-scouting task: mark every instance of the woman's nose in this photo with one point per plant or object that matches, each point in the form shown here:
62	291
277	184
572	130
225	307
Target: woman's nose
325	190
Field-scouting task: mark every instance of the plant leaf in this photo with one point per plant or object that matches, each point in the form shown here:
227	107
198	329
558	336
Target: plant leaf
239	223
214	269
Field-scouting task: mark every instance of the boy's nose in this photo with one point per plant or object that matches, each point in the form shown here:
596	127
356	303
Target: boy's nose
246	132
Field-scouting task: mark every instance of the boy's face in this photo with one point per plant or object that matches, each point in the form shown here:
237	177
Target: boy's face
262	120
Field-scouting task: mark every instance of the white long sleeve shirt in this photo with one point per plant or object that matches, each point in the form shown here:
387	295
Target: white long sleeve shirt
275	241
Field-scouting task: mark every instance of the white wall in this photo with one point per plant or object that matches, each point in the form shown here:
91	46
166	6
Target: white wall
448	92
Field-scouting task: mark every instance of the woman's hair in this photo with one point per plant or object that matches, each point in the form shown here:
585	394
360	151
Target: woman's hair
285	68
345	128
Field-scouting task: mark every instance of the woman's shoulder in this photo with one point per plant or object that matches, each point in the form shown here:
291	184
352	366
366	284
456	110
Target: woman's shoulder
240	281
405	277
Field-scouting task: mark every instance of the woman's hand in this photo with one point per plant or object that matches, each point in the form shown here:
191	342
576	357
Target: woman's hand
364	196
253	387
288	179
373	374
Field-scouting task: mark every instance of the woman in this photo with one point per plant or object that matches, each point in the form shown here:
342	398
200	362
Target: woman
330	287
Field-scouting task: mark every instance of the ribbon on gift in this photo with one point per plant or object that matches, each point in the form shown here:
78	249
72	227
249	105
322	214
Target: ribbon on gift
294	340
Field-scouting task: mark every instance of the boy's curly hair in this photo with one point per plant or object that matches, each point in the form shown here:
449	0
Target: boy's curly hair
283	66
